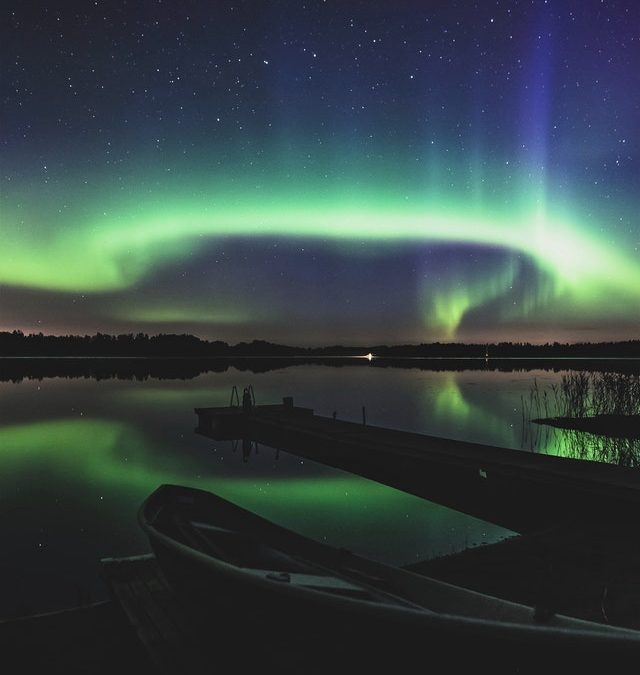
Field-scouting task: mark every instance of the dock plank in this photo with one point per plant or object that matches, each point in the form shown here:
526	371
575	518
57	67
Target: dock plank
153	610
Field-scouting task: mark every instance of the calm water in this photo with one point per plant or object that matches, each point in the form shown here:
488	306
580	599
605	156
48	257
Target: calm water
78	456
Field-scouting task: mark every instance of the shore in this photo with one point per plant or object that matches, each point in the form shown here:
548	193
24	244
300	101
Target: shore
536	570
95	639
612	426
579	569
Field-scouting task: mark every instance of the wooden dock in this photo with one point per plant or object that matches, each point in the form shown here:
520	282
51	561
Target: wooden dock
180	637
155	613
519	490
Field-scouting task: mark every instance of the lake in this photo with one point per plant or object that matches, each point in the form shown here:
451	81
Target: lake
78	455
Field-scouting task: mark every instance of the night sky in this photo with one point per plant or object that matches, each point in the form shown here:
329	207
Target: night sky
322	172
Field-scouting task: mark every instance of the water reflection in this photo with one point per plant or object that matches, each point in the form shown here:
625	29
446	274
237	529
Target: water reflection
462	409
544	403
592	447
78	456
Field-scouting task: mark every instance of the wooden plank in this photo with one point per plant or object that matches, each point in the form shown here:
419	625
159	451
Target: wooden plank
151	608
182	638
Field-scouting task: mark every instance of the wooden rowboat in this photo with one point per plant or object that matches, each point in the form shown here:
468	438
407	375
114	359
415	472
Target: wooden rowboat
230	559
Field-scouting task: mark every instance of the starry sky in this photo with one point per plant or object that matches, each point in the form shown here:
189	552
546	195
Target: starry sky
322	172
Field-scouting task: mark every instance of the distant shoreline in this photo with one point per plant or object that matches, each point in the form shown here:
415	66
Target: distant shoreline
315	357
141	345
18	368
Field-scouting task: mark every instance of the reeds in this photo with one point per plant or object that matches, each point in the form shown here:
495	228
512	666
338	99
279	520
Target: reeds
582	395
537	405
589	394
610	450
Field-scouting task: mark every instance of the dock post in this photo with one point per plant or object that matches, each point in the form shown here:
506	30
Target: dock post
364	416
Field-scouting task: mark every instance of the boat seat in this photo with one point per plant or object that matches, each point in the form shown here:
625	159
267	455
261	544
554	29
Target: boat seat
247	551
319	582
194	538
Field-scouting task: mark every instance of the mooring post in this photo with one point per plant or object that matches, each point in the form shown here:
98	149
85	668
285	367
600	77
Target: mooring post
364	416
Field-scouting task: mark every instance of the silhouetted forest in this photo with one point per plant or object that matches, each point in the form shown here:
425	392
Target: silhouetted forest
16	369
17	343
185	356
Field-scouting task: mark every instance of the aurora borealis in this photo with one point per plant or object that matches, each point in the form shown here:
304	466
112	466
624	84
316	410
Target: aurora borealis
322	172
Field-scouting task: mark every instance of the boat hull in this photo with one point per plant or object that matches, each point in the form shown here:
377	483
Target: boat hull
379	631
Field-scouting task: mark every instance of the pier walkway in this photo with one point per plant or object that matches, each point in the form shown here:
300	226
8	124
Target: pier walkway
520	490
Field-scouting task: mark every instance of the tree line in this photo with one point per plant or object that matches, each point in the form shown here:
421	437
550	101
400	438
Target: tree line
17	343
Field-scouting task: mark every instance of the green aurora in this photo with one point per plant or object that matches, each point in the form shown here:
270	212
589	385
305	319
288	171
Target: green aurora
439	172
117	251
